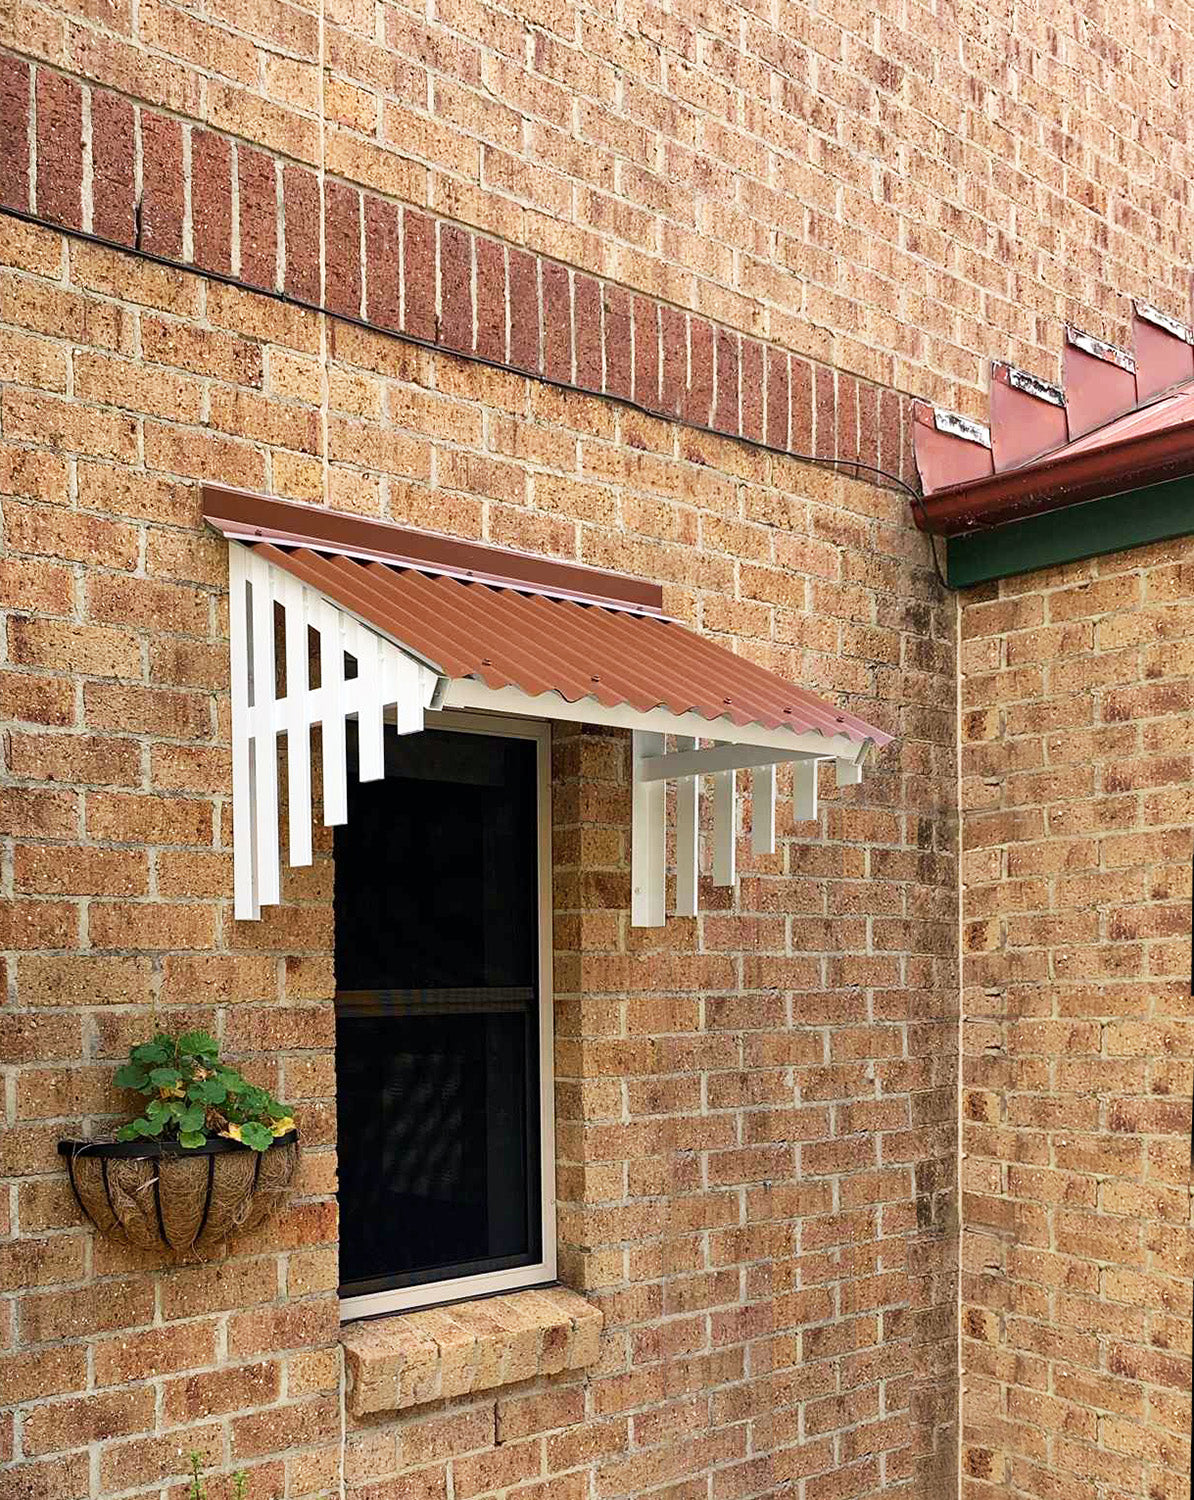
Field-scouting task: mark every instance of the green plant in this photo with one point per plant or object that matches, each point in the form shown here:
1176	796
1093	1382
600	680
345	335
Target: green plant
193	1096
197	1489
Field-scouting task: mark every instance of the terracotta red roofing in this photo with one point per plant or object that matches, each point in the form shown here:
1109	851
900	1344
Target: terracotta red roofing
1121	422
508	632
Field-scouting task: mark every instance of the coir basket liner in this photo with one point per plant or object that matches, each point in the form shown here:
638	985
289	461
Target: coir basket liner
160	1196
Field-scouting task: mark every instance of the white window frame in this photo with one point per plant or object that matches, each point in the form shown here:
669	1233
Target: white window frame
543	1272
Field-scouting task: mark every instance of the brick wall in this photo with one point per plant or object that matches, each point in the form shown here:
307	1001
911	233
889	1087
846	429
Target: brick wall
897	191
1077	1254
774	221
756	1109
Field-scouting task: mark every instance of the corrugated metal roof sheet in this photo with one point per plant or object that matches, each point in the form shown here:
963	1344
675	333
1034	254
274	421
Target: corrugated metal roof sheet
537	642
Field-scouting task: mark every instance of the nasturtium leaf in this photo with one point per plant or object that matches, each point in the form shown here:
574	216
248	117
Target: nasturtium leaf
190	1120
191	1138
148	1127
197	1044
254	1134
150	1052
131	1076
128	1132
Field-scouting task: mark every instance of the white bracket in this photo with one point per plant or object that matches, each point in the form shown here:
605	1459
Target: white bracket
653	767
388	683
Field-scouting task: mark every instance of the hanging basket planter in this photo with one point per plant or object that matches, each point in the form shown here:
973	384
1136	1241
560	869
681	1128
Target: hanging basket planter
170	1199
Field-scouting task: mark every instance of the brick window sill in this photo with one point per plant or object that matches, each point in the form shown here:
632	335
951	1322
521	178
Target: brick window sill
432	1353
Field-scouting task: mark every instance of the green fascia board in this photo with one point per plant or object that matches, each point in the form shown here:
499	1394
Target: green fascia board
1130	519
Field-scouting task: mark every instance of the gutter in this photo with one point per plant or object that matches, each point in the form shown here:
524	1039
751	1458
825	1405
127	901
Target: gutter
1052	484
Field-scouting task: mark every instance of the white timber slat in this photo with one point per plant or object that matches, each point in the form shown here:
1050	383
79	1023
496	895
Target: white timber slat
265	738
648	837
298	722
688	837
331	685
370	707
804	791
413	687
244	850
762	810
849	772
725	821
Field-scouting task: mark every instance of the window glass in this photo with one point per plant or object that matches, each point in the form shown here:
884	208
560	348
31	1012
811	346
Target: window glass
437	1019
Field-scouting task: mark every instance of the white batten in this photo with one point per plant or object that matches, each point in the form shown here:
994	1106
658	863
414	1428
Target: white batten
389	683
762	810
298	730
725	827
648	845
804	791
688	837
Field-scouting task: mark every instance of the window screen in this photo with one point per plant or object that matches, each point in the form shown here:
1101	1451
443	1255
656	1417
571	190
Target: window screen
437	1016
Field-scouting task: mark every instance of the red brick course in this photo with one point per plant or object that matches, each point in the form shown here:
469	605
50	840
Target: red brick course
579	312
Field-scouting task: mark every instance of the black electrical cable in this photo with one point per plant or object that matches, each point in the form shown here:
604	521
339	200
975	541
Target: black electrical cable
287	299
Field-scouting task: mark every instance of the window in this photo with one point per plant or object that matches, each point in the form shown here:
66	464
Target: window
443	1019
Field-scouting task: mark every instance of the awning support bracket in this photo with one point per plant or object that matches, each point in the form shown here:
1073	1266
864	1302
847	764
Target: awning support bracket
653	767
388	683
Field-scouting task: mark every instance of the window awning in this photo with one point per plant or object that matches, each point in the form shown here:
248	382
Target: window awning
433	622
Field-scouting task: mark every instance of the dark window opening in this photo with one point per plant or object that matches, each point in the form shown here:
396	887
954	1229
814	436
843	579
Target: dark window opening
437	1013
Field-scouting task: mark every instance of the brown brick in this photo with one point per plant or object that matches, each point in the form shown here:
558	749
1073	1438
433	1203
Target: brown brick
726	396
48	1372
491	299
383	263
557	321
418	274
342	210
645	312
14	119
155	820
87	1419
113	150
616	315
192	1398
211	200
50	531
586	323
698	395
160	221
455	326
257	205
144	710
59	149
300	200
31	698
72	980
523	273
96	760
